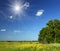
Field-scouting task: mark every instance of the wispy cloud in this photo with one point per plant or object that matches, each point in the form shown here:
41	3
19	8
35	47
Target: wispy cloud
17	31
39	12
26	5
2	30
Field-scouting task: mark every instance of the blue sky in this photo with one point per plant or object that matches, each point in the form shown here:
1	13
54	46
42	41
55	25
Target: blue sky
24	21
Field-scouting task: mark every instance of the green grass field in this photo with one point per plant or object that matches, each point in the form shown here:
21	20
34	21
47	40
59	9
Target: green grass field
28	46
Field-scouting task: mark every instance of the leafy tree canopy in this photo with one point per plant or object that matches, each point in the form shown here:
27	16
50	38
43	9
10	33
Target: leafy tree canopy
50	33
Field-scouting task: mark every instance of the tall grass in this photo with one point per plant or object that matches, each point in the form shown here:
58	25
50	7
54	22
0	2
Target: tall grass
17	46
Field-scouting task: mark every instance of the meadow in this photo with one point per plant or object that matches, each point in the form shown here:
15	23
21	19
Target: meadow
28	46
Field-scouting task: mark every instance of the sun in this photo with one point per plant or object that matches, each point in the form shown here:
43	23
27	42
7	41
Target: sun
17	8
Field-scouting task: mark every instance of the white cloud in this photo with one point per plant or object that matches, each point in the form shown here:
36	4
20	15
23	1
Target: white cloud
2	30
11	17
39	12
17	31
26	5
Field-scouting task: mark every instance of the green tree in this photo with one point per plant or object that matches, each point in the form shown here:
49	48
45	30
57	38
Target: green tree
51	33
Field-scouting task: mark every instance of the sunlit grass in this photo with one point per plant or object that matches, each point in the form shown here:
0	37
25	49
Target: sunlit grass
20	46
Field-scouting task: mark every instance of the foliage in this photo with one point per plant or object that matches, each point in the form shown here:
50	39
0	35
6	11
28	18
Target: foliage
51	33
